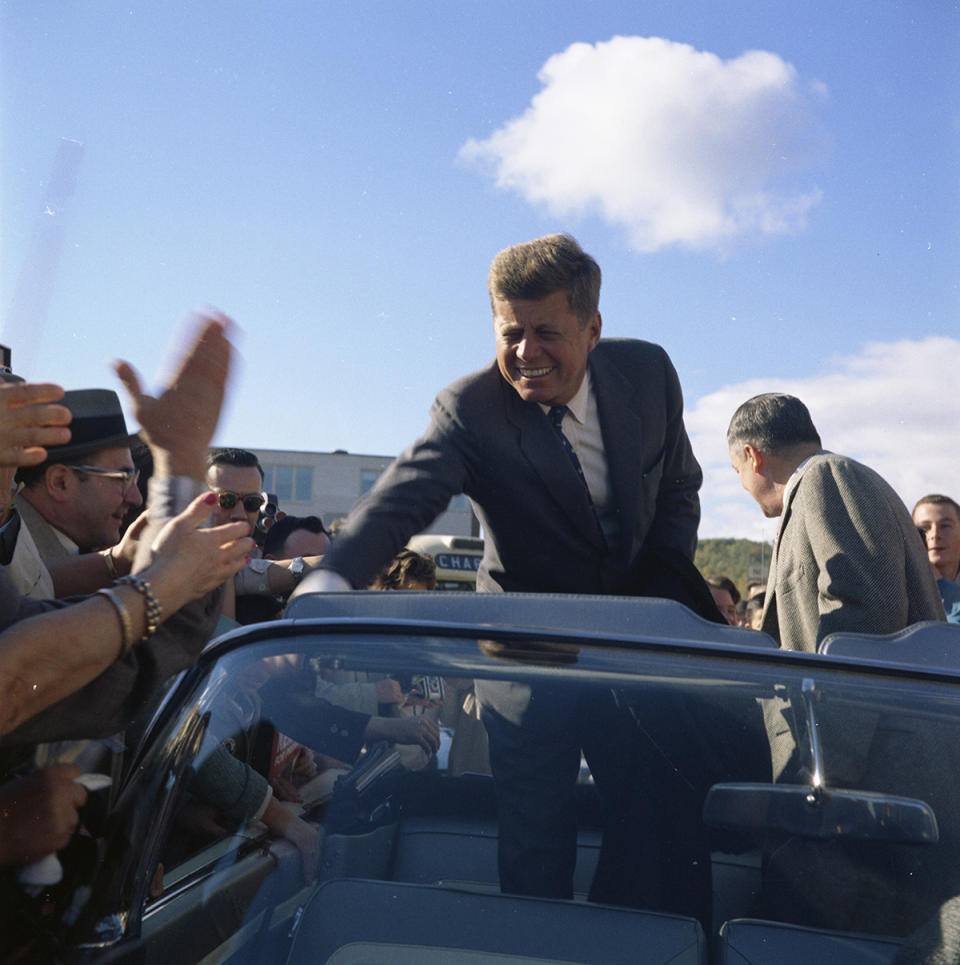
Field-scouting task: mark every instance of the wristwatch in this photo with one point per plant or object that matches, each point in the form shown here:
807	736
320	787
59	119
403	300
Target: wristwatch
296	567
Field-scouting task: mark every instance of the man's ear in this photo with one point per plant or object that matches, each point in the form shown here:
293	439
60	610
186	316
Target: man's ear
754	456
595	325
59	481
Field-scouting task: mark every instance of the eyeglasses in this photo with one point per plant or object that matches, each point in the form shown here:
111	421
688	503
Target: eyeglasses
251	501
127	477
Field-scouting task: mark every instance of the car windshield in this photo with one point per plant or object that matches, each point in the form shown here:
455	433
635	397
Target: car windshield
752	784
543	300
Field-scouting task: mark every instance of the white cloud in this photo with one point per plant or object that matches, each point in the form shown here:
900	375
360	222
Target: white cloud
675	145
881	407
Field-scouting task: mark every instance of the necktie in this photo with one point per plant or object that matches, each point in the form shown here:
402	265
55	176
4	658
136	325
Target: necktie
556	420
556	414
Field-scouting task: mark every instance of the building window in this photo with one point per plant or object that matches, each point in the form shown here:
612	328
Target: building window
303	484
367	478
289	483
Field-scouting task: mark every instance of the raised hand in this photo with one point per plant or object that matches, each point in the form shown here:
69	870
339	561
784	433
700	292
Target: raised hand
189	561
30	421
179	422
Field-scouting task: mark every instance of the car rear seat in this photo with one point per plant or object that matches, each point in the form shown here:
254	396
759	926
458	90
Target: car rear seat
927	646
748	941
350	920
462	853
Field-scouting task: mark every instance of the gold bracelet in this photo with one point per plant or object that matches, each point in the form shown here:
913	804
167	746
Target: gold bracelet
126	623
111	565
154	612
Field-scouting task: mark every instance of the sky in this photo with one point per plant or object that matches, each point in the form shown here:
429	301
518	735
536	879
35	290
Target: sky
771	191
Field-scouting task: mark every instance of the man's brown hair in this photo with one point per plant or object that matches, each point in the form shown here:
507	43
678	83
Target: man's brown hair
937	499
536	269
405	568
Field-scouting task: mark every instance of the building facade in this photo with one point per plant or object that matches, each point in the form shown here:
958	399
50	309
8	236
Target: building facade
328	484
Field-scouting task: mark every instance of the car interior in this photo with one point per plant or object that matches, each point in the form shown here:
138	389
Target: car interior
408	866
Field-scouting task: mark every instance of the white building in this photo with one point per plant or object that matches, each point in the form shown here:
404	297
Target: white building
327	484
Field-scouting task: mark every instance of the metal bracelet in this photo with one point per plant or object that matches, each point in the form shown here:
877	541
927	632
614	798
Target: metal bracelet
154	612
111	564
126	623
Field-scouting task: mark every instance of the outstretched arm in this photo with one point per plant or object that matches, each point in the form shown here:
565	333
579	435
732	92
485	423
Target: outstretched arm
45	658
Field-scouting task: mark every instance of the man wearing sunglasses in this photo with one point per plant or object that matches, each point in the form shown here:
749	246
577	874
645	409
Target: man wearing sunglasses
236	476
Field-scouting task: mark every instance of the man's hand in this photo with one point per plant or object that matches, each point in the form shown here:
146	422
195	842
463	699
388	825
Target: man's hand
125	552
29	421
389	691
38	814
303	835
190	560
405	730
179	423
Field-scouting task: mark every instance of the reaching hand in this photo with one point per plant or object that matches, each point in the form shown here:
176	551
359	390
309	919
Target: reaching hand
420	730
181	420
190	562
303	835
29	422
38	813
306	838
125	552
389	691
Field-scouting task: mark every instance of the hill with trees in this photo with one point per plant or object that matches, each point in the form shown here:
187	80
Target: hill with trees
740	559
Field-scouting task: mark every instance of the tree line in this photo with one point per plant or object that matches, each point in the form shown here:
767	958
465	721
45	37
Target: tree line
739	559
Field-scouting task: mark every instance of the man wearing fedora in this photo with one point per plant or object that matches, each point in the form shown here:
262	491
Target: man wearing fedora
75	501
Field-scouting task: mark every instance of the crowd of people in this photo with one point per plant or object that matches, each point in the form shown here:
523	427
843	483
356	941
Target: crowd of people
573	451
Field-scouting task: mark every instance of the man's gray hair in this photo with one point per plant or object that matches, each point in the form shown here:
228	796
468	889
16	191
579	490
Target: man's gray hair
536	269
772	423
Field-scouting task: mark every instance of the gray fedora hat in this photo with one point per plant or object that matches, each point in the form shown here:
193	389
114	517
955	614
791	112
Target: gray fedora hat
97	423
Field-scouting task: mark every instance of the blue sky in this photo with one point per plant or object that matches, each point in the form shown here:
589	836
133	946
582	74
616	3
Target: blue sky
771	191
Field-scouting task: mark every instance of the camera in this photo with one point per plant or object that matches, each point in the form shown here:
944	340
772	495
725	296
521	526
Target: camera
269	514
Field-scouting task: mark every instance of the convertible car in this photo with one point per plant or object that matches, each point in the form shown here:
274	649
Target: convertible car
789	806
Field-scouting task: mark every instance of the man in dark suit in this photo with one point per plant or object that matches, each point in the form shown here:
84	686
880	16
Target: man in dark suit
574	455
491	437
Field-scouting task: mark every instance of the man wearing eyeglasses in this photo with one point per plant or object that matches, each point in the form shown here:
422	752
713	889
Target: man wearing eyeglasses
76	500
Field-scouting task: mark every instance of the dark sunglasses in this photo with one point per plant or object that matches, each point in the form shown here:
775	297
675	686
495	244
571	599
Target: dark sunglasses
251	501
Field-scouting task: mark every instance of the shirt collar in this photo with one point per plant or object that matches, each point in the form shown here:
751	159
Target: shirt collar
577	406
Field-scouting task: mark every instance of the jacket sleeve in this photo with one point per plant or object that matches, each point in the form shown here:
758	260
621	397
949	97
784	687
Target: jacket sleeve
677	515
414	490
113	700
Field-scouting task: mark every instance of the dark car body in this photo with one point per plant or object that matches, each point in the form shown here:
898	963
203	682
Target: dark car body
823	788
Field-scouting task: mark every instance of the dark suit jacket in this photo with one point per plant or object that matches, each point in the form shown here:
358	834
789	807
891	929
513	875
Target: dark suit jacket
540	532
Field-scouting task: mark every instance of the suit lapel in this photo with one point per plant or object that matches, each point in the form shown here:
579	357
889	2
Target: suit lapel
621	426
769	602
540	446
44	536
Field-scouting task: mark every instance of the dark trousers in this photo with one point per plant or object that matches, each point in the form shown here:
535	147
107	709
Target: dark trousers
653	755
536	735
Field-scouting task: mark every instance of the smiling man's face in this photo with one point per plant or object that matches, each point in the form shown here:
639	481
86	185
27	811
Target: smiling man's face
542	346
